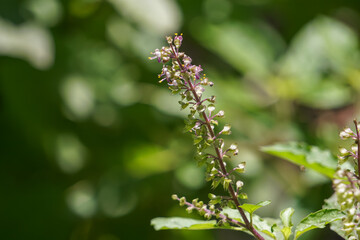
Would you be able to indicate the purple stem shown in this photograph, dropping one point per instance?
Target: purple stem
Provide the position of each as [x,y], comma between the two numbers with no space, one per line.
[248,225]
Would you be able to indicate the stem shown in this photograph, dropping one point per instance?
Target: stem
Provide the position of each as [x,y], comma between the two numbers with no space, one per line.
[232,193]
[358,145]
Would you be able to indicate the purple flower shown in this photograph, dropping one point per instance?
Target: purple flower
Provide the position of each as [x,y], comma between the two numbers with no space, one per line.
[157,54]
[166,74]
[178,41]
[162,55]
[187,60]
[197,70]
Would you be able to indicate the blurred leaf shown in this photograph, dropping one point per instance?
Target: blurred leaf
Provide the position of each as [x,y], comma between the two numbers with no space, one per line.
[323,44]
[27,41]
[318,59]
[217,10]
[81,199]
[70,153]
[159,16]
[318,219]
[145,160]
[46,12]
[242,45]
[327,94]
[190,176]
[83,8]
[304,155]
[78,96]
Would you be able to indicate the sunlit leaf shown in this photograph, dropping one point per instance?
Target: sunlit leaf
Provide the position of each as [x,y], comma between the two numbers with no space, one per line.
[250,208]
[321,43]
[242,45]
[305,155]
[319,56]
[162,223]
[318,219]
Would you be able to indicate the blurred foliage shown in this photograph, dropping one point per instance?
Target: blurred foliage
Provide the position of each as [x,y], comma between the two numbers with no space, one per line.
[92,147]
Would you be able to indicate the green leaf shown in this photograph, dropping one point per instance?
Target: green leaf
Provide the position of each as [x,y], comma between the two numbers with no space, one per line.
[161,223]
[336,226]
[197,139]
[265,226]
[308,156]
[250,208]
[226,183]
[318,219]
[183,105]
[216,183]
[189,124]
[285,216]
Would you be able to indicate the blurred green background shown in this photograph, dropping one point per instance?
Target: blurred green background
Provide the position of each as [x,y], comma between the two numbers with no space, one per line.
[92,146]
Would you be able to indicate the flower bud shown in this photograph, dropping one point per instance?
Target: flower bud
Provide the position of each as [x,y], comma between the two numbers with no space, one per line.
[239,184]
[233,149]
[187,60]
[354,148]
[200,204]
[341,188]
[189,210]
[343,151]
[199,90]
[342,159]
[211,107]
[211,196]
[169,39]
[344,135]
[243,196]
[212,207]
[207,216]
[182,201]
[352,211]
[221,113]
[240,168]
[226,130]
[178,40]
[336,181]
